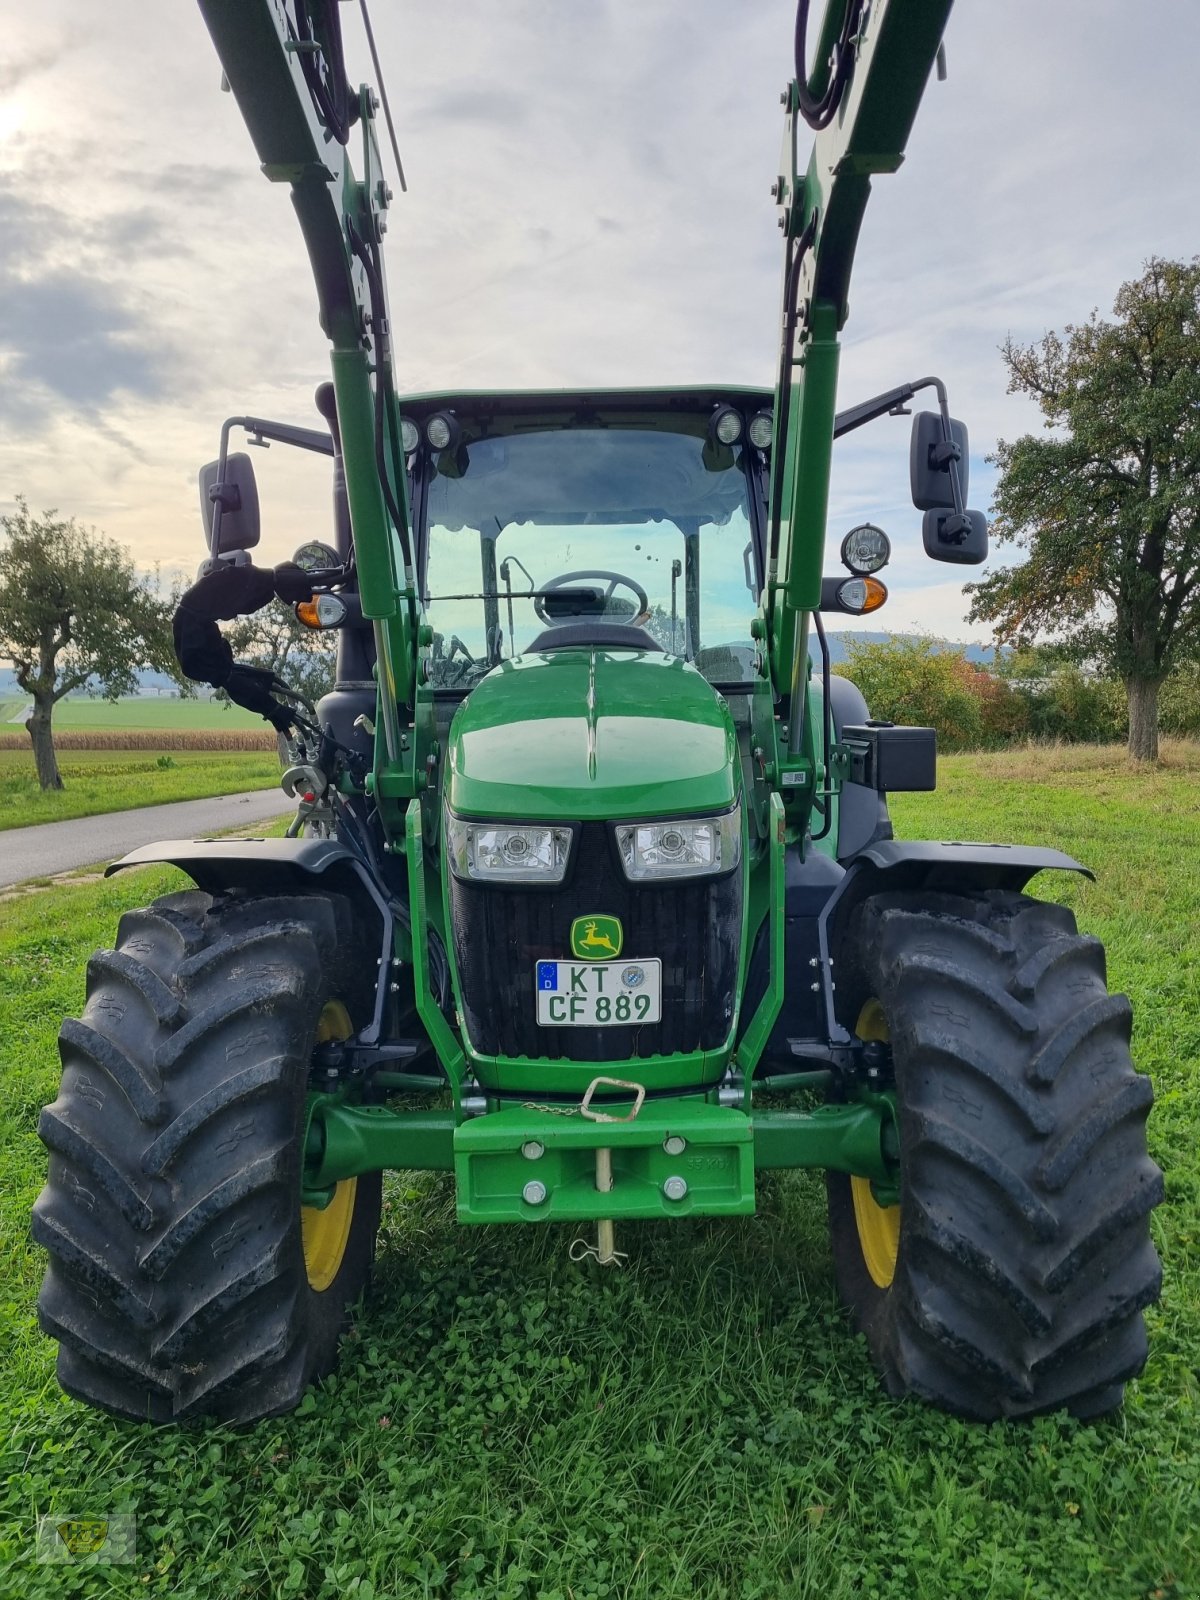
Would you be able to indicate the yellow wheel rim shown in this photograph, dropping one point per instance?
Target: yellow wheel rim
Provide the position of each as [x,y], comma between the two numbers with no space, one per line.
[324,1234]
[878,1226]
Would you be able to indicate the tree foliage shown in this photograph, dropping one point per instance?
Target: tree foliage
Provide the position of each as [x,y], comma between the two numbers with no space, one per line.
[75,612]
[1108,507]
[272,638]
[918,682]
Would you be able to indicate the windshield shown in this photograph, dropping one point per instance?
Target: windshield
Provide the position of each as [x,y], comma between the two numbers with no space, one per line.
[640,525]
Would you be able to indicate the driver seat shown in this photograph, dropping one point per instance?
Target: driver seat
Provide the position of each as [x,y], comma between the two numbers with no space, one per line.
[610,635]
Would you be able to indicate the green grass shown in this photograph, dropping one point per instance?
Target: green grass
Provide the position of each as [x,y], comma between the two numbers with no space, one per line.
[506,1424]
[116,780]
[136,711]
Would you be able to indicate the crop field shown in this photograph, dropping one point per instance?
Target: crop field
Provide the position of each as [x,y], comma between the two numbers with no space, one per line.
[135,711]
[507,1424]
[117,780]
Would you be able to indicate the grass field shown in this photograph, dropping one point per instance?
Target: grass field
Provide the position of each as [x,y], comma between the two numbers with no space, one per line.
[509,1425]
[117,780]
[137,711]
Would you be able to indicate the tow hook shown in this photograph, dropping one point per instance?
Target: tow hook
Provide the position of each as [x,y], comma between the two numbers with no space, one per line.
[604,1250]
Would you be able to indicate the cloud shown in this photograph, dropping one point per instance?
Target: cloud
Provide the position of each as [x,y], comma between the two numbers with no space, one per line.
[16,72]
[73,337]
[69,337]
[588,205]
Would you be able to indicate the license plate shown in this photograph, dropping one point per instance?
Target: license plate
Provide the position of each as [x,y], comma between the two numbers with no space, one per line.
[598,994]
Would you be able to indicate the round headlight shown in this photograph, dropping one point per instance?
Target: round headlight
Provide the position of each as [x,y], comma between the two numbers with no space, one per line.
[410,435]
[316,556]
[726,425]
[866,549]
[442,430]
[760,430]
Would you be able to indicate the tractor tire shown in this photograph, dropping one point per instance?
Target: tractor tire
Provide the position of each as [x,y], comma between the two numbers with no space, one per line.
[184,1280]
[1012,1276]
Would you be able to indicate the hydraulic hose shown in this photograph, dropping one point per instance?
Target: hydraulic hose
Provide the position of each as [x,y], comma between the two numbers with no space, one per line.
[819,110]
[206,656]
[323,62]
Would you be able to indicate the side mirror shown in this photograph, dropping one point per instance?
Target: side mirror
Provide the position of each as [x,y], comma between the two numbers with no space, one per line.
[949,537]
[237,493]
[929,458]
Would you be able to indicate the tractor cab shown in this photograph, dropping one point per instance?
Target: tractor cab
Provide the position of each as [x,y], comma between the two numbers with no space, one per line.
[620,521]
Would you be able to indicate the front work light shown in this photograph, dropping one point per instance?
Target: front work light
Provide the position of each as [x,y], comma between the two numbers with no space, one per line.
[442,431]
[681,848]
[410,435]
[866,549]
[760,430]
[725,425]
[507,852]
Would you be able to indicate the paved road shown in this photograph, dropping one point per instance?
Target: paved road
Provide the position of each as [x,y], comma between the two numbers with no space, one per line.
[50,847]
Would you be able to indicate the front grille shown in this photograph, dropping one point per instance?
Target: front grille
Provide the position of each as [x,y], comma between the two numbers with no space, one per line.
[500,933]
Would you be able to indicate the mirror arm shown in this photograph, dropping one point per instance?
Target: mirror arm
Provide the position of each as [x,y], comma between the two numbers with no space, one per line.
[260,429]
[858,416]
[949,446]
[218,499]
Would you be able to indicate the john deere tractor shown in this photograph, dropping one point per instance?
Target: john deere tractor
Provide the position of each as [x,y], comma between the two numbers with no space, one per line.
[592,857]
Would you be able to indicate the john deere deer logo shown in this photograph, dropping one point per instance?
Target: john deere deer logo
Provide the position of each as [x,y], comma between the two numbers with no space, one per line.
[594,938]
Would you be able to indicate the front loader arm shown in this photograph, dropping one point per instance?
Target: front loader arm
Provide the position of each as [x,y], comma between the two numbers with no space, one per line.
[282,60]
[873,61]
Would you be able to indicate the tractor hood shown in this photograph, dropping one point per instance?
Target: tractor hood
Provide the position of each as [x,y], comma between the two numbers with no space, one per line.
[592,735]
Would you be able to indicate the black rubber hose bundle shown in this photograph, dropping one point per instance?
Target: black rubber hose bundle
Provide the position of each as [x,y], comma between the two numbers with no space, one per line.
[819,110]
[204,653]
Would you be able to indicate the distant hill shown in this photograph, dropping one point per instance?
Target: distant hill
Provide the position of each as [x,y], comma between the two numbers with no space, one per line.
[158,683]
[148,683]
[984,654]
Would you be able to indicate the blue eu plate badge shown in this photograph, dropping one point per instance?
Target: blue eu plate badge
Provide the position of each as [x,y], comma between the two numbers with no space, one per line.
[547,976]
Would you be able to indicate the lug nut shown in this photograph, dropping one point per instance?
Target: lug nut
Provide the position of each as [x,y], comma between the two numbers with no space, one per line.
[675,1188]
[534,1193]
[532,1150]
[674,1145]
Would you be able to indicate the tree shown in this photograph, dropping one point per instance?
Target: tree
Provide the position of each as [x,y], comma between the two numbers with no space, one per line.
[74,611]
[916,681]
[272,638]
[1109,507]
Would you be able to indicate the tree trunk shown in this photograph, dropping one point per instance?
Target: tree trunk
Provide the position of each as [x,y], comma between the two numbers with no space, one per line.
[43,747]
[1143,718]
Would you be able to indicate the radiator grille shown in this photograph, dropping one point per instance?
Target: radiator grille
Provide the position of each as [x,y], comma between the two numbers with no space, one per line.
[500,932]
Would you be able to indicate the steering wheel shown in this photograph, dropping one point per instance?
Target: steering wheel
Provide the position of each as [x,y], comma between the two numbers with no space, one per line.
[614,580]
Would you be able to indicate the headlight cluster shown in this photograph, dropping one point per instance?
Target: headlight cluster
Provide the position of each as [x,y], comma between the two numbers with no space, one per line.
[504,852]
[680,849]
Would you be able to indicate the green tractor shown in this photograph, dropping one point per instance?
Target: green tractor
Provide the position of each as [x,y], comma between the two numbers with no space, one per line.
[592,859]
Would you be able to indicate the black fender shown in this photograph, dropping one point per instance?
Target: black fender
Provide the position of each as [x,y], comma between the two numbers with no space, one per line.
[950,866]
[260,866]
[277,866]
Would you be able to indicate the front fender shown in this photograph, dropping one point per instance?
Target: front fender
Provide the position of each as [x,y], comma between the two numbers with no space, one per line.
[282,866]
[258,865]
[948,866]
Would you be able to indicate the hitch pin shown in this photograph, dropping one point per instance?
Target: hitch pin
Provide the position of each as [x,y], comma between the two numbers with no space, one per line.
[605,1249]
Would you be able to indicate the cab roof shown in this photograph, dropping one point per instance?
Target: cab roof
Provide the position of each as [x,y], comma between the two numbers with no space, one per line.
[540,402]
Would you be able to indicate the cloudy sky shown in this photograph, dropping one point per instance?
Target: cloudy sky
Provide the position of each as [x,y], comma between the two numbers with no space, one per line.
[588,204]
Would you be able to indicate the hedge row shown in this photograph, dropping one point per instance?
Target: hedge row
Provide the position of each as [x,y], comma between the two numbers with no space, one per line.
[931,684]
